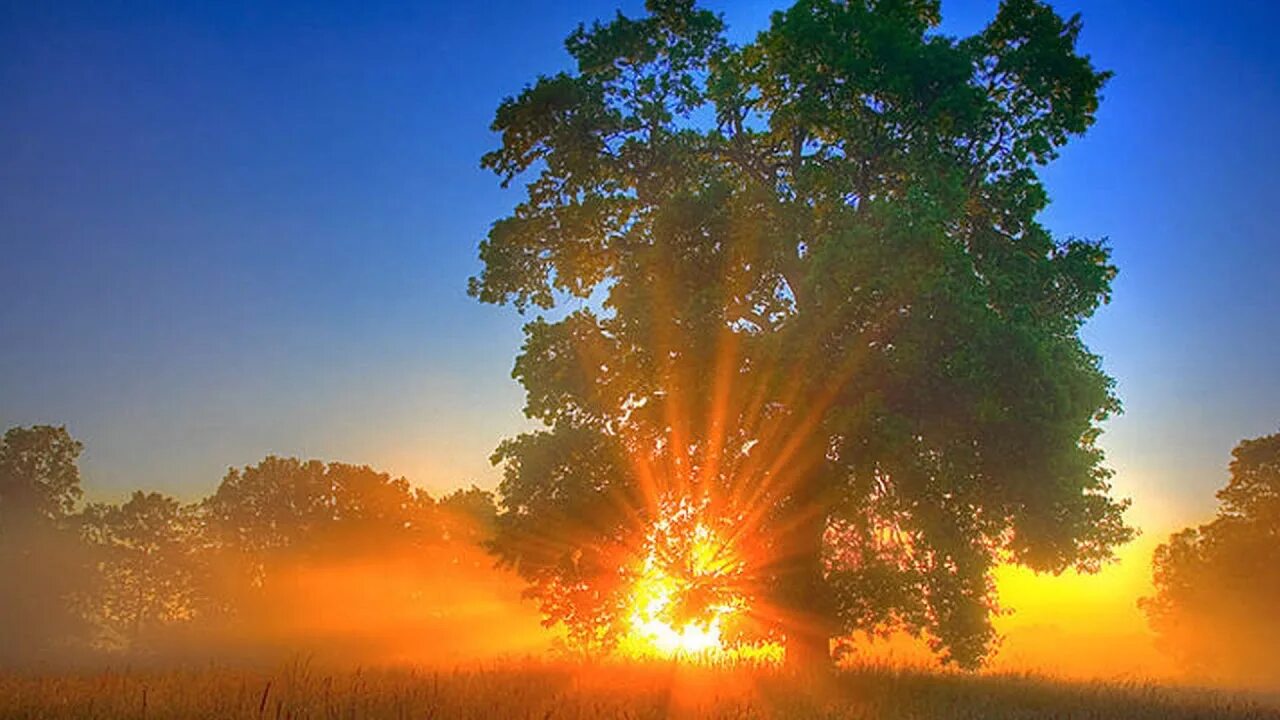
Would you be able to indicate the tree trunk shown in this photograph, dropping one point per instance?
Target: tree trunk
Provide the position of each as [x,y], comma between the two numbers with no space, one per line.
[806,600]
[808,646]
[808,624]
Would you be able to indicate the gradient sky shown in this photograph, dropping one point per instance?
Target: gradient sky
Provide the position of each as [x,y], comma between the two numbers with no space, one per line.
[236,228]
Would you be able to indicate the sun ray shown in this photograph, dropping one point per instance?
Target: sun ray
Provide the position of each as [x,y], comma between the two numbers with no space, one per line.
[690,597]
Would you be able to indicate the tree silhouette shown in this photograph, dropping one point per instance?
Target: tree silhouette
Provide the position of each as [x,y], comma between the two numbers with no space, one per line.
[1218,585]
[284,510]
[467,516]
[147,552]
[804,276]
[41,563]
[287,503]
[378,551]
[39,478]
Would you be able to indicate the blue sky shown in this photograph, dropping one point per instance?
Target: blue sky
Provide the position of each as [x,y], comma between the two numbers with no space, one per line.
[235,228]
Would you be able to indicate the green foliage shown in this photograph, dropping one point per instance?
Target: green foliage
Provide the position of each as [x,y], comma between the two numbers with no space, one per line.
[1218,585]
[812,276]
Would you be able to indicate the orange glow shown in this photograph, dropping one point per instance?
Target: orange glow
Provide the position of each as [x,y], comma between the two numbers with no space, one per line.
[1078,625]
[689,595]
[1073,626]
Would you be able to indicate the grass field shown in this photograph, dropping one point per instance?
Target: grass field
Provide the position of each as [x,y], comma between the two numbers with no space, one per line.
[544,691]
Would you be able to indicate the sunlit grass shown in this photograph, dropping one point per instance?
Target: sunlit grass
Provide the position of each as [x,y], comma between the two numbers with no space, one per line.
[620,690]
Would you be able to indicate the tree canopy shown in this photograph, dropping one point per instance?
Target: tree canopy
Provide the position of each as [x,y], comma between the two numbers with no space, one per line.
[804,277]
[39,477]
[295,507]
[1218,585]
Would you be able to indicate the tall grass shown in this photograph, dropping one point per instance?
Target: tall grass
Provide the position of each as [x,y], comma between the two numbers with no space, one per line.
[542,691]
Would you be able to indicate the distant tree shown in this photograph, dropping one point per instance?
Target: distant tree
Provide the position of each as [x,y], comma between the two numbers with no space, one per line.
[467,516]
[39,478]
[41,560]
[1217,601]
[288,506]
[147,552]
[295,544]
[806,275]
[284,512]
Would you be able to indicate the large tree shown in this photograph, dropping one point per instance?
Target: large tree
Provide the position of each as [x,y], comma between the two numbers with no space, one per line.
[1218,585]
[805,277]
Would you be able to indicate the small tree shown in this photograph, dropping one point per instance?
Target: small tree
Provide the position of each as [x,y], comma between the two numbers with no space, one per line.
[1218,585]
[805,276]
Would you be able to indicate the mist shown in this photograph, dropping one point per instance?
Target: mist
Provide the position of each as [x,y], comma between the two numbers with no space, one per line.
[346,566]
[337,563]
[439,606]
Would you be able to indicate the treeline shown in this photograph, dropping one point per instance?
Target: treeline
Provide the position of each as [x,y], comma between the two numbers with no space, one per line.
[284,554]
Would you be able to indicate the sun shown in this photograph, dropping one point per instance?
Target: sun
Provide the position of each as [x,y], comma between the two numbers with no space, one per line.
[689,593]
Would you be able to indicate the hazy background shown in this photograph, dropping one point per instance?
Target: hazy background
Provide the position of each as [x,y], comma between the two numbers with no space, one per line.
[231,229]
